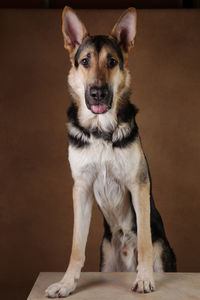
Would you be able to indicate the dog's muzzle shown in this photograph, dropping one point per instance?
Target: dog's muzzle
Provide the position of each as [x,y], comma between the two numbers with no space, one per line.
[98,98]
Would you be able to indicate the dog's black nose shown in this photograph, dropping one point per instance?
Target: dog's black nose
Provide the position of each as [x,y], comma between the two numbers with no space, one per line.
[99,92]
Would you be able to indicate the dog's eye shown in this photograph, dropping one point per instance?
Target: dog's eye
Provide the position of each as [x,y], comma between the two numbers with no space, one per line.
[85,62]
[112,63]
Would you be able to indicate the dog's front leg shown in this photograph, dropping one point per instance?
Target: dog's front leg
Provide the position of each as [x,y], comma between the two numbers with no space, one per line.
[82,201]
[144,282]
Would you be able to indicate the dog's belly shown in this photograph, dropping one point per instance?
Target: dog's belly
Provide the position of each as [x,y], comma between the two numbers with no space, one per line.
[113,199]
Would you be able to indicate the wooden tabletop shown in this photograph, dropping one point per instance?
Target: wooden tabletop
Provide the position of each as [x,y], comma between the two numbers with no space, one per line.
[117,286]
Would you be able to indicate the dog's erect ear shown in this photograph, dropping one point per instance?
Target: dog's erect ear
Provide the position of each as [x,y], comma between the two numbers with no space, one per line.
[125,29]
[73,30]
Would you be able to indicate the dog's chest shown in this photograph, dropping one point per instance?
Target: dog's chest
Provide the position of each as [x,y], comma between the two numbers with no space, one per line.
[107,170]
[113,198]
[101,158]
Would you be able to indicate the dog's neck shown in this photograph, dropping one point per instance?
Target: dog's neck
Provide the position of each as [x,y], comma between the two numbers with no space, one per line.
[120,129]
[104,122]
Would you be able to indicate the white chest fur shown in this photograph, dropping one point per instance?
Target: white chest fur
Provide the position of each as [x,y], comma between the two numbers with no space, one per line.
[105,171]
[113,198]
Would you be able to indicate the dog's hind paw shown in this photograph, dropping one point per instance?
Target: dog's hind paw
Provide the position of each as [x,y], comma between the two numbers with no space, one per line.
[143,286]
[60,290]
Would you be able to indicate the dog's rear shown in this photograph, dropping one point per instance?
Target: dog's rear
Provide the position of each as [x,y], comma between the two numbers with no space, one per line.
[107,160]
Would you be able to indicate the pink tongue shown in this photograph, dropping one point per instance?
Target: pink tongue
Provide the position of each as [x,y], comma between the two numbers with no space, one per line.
[98,109]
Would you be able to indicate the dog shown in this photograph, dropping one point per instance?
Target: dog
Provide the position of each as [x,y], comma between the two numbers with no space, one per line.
[107,160]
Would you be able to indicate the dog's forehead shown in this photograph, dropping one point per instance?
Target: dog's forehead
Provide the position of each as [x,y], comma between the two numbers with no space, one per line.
[96,43]
[99,41]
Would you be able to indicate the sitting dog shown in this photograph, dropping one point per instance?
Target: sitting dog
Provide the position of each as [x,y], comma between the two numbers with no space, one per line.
[107,160]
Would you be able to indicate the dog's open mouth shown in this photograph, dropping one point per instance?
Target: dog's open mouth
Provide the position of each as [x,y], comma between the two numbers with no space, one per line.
[98,99]
[99,108]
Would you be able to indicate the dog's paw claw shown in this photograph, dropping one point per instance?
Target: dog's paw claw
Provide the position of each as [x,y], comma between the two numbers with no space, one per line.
[59,290]
[143,286]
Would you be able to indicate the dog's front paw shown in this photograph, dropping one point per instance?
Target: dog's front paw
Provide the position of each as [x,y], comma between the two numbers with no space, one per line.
[60,289]
[143,284]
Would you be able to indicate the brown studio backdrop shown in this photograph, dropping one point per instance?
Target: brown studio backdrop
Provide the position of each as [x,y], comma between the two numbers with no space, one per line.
[36,185]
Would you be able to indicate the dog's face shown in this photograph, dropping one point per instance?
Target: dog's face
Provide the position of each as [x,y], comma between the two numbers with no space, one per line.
[98,77]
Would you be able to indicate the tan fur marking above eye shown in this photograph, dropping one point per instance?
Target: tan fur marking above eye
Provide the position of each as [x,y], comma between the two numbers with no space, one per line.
[103,57]
[85,52]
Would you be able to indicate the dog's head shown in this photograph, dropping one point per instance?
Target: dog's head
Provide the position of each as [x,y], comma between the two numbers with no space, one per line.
[98,78]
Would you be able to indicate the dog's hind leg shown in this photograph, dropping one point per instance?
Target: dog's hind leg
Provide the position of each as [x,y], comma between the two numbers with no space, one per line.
[164,257]
[82,200]
[108,259]
[157,257]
